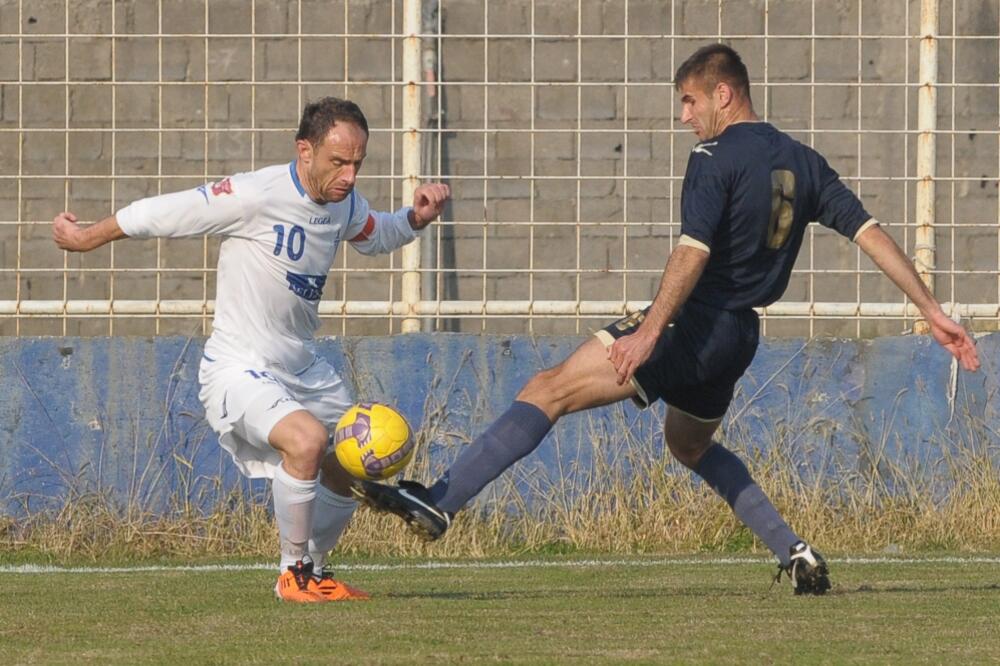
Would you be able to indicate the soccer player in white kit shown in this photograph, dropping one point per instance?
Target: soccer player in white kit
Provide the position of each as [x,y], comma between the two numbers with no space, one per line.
[270,398]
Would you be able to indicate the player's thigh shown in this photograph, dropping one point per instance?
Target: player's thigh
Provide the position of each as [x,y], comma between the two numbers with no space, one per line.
[697,359]
[584,380]
[246,402]
[322,391]
[299,435]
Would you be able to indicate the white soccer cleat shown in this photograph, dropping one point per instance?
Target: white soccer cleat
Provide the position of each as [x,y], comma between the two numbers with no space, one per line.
[807,570]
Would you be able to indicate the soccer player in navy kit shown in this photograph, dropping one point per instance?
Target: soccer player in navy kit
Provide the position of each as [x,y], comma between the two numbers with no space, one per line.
[749,192]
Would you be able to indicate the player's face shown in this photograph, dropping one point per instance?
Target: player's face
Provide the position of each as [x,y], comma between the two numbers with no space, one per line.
[332,166]
[699,109]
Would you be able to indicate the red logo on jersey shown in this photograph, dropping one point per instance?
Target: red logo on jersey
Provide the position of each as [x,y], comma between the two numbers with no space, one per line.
[224,186]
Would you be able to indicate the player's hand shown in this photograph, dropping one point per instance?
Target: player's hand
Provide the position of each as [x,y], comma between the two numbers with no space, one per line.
[428,202]
[67,234]
[629,352]
[955,339]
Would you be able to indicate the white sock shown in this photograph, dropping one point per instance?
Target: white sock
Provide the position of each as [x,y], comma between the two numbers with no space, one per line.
[294,502]
[333,512]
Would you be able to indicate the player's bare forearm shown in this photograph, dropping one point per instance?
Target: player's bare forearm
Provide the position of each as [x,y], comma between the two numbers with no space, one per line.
[69,235]
[891,260]
[683,270]
[888,256]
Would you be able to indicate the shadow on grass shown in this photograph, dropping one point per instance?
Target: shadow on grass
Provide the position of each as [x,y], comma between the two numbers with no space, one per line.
[915,589]
[547,594]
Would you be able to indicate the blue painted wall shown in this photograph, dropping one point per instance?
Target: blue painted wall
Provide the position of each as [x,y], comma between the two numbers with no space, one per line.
[121,417]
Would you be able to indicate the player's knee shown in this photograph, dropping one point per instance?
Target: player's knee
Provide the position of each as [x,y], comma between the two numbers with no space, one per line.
[687,450]
[307,445]
[688,437]
[547,391]
[334,477]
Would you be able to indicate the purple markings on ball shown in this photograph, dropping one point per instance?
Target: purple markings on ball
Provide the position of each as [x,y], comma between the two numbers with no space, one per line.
[374,466]
[342,434]
[361,430]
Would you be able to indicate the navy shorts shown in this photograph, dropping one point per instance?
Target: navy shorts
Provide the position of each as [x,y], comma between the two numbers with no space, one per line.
[697,360]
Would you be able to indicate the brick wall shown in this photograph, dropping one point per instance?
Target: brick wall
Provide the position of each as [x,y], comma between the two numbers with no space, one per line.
[156,118]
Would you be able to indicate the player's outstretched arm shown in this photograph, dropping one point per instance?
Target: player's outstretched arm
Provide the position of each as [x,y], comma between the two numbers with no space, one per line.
[372,232]
[428,202]
[69,235]
[888,256]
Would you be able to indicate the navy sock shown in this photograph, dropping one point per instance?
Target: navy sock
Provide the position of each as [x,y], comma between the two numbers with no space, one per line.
[728,476]
[514,435]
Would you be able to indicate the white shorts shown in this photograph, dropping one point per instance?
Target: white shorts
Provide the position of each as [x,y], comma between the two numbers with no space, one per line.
[244,402]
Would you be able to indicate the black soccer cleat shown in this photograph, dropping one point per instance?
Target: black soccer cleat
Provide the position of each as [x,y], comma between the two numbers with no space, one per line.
[410,501]
[807,570]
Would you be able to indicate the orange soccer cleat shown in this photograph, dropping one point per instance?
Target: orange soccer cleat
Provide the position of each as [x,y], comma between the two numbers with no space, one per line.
[298,585]
[335,590]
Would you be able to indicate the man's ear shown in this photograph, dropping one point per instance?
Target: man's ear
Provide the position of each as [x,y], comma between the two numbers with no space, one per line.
[723,94]
[305,150]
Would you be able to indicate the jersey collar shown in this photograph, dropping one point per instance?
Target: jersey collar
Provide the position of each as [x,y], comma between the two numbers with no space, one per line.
[295,177]
[302,191]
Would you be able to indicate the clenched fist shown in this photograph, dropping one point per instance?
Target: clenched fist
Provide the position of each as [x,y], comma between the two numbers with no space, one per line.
[428,202]
[70,236]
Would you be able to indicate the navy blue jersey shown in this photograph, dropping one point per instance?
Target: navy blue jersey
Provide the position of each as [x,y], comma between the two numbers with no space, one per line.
[748,195]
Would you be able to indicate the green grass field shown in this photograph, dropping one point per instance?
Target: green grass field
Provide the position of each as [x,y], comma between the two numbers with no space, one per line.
[548,610]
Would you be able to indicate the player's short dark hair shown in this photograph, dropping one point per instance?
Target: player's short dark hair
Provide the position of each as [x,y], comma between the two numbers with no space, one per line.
[713,64]
[319,116]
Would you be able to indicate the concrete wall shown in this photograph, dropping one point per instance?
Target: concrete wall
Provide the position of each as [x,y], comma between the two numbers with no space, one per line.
[253,85]
[121,415]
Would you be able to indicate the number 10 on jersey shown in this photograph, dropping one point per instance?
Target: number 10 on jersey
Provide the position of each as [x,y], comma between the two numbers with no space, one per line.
[296,241]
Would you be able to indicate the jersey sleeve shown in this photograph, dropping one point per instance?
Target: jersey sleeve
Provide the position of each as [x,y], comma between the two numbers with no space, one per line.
[372,232]
[214,209]
[704,198]
[838,208]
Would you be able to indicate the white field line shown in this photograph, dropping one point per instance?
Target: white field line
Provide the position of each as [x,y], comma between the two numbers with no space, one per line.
[513,564]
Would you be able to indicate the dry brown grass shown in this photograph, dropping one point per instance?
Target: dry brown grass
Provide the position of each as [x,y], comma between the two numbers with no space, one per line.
[654,507]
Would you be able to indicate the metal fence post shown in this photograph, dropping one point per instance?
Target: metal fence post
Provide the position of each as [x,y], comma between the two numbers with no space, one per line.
[925,244]
[411,154]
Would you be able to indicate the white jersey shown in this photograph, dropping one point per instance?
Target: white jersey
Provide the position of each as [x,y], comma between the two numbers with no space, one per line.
[273,262]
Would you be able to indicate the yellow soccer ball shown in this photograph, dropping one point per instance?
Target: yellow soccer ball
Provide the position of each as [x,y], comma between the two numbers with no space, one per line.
[373,441]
